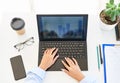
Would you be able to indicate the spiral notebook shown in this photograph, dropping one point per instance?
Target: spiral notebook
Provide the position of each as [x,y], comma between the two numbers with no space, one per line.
[111,58]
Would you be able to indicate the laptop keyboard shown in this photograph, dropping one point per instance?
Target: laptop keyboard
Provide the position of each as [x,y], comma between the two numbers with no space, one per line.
[76,49]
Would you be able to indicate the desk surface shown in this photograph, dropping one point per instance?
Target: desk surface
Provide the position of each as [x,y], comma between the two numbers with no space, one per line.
[29,54]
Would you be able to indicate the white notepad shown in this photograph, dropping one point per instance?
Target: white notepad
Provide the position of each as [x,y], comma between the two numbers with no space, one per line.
[112,57]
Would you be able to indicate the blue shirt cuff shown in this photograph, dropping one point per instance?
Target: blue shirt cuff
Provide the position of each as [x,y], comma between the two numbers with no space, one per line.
[38,71]
[88,79]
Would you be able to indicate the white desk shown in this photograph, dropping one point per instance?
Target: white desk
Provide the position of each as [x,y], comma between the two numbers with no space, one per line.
[8,38]
[30,53]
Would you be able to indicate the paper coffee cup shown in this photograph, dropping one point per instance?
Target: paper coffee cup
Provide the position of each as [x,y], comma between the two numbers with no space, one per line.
[18,24]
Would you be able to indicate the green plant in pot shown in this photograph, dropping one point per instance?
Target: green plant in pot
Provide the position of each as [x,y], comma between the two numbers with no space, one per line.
[110,16]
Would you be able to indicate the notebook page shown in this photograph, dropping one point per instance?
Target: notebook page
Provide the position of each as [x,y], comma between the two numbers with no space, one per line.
[112,55]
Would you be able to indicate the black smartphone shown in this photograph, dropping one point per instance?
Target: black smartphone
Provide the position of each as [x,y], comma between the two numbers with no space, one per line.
[18,67]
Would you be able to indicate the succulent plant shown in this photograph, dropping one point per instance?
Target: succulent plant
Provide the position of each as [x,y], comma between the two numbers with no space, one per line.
[112,10]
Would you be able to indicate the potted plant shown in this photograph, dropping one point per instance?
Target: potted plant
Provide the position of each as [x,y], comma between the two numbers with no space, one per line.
[110,16]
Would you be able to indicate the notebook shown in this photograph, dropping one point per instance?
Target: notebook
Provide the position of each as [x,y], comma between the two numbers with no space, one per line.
[68,33]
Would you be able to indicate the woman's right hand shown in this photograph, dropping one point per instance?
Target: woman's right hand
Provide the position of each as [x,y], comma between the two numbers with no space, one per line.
[73,69]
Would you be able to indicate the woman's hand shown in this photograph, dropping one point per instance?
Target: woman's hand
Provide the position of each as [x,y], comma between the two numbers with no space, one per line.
[49,58]
[73,69]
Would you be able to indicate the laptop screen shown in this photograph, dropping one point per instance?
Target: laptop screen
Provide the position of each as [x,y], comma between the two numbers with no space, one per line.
[62,27]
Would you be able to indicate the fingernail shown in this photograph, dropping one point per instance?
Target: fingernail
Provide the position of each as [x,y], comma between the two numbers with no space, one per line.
[62,69]
[57,55]
[56,48]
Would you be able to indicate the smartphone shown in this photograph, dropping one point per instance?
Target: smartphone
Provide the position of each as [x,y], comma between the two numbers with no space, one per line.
[18,67]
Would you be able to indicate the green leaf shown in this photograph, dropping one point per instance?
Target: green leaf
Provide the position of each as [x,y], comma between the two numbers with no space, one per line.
[111,1]
[108,11]
[119,5]
[118,11]
[114,7]
[108,5]
[113,16]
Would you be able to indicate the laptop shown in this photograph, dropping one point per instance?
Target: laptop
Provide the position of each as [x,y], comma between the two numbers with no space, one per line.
[68,33]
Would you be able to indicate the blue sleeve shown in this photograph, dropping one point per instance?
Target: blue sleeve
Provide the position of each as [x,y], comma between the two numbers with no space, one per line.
[36,75]
[89,79]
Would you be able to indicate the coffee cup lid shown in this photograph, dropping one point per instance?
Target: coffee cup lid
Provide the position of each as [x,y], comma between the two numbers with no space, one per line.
[17,23]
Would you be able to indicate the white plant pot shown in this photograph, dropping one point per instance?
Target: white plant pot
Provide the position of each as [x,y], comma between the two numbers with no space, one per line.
[106,27]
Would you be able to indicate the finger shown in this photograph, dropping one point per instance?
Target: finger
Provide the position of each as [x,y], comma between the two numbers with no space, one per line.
[54,53]
[66,66]
[69,61]
[51,50]
[75,61]
[46,51]
[55,59]
[64,70]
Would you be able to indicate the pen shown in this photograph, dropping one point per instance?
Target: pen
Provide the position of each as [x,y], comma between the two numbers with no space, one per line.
[98,59]
[100,54]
